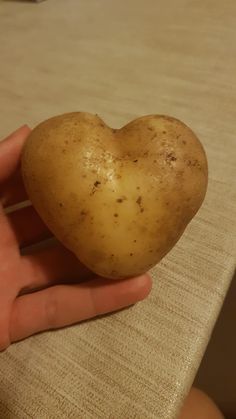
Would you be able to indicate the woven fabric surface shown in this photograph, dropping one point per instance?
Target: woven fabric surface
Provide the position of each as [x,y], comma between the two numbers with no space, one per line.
[122,60]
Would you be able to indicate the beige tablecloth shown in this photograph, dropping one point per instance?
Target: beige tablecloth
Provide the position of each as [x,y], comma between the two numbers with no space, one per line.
[123,59]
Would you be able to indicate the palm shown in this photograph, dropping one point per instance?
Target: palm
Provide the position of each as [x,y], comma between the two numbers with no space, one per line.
[45,288]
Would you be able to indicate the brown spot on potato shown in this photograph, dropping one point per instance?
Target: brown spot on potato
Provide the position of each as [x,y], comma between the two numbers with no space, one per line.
[163,132]
[95,186]
[135,161]
[116,215]
[83,213]
[131,254]
[121,199]
[138,188]
[60,204]
[183,142]
[139,202]
[135,241]
[194,163]
[171,157]
[97,183]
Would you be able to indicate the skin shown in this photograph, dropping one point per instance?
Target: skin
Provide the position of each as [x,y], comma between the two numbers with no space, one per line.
[97,188]
[65,291]
[199,406]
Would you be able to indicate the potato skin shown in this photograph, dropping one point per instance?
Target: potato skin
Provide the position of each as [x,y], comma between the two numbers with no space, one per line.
[118,199]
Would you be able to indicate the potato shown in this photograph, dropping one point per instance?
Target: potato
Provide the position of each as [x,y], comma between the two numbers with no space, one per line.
[118,199]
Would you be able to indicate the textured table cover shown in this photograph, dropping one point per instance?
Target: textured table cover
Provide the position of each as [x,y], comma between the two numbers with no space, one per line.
[123,59]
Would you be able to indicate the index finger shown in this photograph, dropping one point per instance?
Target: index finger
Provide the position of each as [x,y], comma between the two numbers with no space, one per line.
[63,305]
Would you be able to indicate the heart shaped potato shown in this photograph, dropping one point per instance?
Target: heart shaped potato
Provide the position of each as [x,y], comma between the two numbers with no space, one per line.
[119,199]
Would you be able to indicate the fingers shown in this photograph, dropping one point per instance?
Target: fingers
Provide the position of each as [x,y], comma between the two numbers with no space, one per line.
[28,227]
[10,151]
[49,266]
[63,305]
[13,191]
[6,303]
[22,228]
[7,236]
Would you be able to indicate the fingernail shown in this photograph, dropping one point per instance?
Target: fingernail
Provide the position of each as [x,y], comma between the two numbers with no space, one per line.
[135,289]
[143,285]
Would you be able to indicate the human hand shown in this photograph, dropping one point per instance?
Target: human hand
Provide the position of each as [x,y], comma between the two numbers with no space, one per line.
[47,288]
